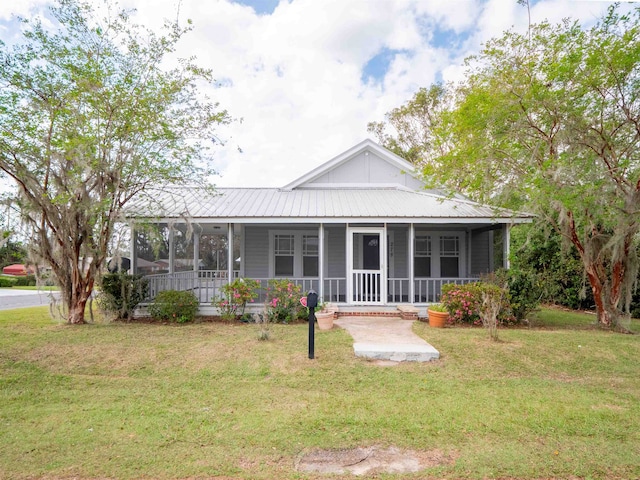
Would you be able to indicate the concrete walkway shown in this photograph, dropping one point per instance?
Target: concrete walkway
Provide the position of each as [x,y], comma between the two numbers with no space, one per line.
[387,338]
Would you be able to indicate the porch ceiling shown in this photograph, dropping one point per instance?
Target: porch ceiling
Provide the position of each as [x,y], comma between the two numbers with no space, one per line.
[262,205]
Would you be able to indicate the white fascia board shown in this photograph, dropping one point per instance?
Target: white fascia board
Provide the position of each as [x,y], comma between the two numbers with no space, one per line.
[357,186]
[343,220]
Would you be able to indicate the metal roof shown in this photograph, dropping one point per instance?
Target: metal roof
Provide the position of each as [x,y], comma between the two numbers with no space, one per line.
[329,205]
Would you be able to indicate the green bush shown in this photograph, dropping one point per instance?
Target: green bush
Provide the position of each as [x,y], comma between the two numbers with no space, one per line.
[635,302]
[27,281]
[7,281]
[524,291]
[556,270]
[121,293]
[174,306]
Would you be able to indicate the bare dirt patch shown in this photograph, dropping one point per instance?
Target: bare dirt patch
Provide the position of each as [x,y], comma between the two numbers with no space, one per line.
[366,460]
[385,363]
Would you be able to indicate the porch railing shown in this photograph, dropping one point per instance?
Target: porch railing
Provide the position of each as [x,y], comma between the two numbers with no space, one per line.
[428,290]
[398,290]
[206,285]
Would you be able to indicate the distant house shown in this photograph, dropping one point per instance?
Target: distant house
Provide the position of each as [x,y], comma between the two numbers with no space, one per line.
[360,230]
[18,270]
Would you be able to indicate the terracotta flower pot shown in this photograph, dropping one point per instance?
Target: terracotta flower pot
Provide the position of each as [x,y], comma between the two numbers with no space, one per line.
[325,320]
[437,319]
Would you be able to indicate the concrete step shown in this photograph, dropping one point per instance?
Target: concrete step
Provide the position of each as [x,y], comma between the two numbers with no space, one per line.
[404,311]
[397,352]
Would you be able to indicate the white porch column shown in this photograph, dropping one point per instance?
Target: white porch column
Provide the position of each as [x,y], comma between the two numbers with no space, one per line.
[133,265]
[172,251]
[321,261]
[412,244]
[506,247]
[230,259]
[349,259]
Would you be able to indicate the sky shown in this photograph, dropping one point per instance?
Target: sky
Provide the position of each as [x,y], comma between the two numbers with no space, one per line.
[303,78]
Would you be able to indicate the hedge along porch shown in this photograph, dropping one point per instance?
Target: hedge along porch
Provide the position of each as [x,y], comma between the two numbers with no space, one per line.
[360,230]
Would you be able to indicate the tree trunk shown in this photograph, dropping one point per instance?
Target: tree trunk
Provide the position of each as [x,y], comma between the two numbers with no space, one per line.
[606,285]
[76,312]
[598,294]
[607,305]
[80,293]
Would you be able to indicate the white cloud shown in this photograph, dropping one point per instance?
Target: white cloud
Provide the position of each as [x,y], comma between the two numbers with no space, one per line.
[295,76]
[22,8]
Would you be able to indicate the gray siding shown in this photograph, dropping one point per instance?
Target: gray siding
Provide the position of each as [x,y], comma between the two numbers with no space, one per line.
[368,169]
[335,252]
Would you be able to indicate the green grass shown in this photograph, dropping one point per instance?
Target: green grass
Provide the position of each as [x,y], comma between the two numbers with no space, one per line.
[205,400]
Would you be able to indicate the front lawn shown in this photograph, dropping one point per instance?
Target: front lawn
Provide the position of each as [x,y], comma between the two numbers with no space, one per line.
[127,401]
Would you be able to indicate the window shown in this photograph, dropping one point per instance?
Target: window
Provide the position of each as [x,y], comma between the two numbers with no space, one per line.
[449,256]
[422,257]
[309,256]
[284,255]
[295,254]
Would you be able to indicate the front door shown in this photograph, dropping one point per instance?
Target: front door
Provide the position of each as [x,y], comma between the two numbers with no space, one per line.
[367,282]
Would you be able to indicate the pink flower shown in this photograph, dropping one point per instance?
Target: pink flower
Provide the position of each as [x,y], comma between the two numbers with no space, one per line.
[303,301]
[274,302]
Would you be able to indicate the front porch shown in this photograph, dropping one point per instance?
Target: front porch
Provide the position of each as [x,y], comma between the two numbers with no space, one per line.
[349,265]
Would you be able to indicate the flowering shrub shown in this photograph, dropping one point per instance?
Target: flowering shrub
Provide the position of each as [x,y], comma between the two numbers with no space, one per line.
[235,296]
[463,302]
[283,301]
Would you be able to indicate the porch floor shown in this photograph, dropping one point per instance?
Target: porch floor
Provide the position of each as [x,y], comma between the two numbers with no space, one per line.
[387,338]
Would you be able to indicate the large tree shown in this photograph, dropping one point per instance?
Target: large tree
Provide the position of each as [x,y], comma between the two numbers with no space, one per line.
[550,122]
[95,111]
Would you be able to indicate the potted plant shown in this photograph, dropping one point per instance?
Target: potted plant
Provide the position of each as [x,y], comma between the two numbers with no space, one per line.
[324,313]
[438,315]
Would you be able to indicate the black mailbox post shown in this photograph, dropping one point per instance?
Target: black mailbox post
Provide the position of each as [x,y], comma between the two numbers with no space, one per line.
[312,303]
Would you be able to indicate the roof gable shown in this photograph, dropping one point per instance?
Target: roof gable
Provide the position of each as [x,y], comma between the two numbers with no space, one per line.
[367,165]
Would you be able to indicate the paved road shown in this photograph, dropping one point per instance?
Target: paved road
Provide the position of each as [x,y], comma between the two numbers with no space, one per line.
[13,298]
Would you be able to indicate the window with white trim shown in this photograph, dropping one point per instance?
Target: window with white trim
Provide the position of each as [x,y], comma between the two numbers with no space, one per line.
[294,254]
[284,254]
[422,256]
[450,256]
